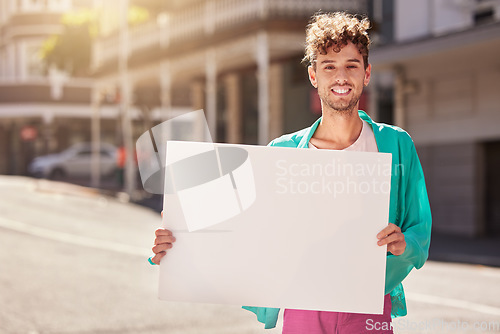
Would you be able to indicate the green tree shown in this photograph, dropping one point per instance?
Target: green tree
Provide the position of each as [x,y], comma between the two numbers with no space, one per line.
[71,50]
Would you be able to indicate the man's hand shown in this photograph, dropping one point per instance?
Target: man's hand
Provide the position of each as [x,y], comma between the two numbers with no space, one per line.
[393,238]
[163,242]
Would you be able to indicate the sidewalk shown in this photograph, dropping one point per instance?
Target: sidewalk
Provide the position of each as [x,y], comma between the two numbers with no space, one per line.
[449,248]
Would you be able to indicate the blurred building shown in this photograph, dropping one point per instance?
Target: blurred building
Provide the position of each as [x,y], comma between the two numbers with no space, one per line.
[435,73]
[239,60]
[39,111]
[442,68]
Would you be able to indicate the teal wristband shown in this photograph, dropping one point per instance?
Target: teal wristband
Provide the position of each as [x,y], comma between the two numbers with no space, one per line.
[151,261]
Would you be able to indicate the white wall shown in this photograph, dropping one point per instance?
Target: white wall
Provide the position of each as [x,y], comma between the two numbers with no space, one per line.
[416,19]
[458,96]
[455,108]
[451,15]
[411,19]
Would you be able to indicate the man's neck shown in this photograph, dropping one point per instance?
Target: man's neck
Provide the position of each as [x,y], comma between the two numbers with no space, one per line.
[337,130]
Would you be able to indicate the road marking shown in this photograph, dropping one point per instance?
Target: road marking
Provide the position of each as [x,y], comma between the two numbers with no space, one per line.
[458,303]
[72,238]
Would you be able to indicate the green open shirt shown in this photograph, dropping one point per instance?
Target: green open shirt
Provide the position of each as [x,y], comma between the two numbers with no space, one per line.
[409,209]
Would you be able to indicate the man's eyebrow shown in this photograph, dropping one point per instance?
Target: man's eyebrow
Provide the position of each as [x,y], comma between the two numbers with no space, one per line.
[352,60]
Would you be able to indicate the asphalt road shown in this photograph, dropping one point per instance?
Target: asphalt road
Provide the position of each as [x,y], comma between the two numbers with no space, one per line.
[74,261]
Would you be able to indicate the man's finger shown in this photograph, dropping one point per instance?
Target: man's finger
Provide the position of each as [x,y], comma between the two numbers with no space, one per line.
[156,259]
[161,248]
[164,239]
[388,230]
[162,231]
[394,237]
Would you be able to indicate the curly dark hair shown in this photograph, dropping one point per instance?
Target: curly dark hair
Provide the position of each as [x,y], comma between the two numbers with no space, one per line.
[336,29]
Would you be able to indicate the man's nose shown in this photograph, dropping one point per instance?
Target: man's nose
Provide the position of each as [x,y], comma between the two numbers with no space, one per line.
[341,76]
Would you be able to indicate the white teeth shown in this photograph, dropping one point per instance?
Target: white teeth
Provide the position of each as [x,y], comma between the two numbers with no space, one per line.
[341,91]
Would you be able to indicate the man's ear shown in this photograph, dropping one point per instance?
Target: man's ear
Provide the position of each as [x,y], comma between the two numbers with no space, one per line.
[312,76]
[368,74]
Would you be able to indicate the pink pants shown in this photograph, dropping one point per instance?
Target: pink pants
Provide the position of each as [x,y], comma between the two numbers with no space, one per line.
[322,322]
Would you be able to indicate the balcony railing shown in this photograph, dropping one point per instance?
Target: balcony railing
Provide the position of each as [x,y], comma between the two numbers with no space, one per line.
[10,8]
[39,6]
[210,17]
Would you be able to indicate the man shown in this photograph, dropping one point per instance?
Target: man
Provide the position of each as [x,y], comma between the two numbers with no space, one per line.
[337,52]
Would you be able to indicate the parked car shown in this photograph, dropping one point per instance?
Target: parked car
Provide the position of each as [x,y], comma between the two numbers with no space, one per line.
[76,161]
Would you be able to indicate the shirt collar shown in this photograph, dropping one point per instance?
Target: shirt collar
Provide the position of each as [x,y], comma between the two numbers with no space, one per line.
[304,142]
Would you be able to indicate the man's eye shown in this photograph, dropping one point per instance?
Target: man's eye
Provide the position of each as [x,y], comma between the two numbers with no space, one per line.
[329,67]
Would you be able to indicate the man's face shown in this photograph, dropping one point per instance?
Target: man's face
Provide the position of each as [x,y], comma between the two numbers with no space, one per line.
[340,78]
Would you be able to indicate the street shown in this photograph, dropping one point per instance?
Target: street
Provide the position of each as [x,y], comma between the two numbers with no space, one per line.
[451,298]
[75,261]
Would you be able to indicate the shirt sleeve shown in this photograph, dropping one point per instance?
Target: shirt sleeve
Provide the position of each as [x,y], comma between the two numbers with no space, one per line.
[266,315]
[414,220]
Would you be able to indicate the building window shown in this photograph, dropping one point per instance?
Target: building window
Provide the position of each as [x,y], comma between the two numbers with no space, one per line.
[484,12]
[492,185]
[381,14]
[33,5]
[35,66]
[44,5]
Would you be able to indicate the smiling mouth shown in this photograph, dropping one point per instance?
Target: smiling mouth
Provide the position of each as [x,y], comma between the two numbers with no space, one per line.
[341,91]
